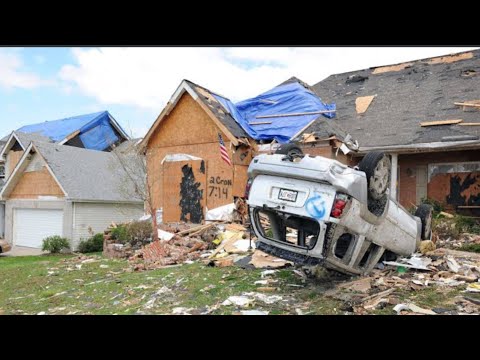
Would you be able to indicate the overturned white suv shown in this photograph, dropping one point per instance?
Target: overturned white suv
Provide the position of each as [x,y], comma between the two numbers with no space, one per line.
[318,211]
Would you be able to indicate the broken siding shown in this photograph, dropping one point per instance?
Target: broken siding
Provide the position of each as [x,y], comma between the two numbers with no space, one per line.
[93,218]
[189,130]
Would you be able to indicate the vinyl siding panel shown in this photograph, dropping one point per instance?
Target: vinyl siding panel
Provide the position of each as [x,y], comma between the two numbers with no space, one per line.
[98,217]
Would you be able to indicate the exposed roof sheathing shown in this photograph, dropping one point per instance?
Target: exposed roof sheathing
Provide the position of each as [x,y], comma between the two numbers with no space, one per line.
[423,91]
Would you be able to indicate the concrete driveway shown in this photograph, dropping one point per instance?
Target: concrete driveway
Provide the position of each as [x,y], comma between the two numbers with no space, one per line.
[23,251]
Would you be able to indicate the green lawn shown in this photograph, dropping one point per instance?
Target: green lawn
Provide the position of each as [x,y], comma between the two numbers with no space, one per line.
[63,285]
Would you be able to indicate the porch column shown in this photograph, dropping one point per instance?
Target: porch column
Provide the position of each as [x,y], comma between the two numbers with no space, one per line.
[393,182]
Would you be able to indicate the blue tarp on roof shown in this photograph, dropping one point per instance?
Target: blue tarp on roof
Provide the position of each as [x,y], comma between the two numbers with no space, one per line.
[95,130]
[283,99]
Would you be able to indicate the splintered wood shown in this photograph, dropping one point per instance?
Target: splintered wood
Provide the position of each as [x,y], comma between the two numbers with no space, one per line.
[362,103]
[441,122]
[450,58]
[384,69]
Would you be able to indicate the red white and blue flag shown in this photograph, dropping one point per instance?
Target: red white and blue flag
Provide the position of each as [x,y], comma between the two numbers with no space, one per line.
[223,151]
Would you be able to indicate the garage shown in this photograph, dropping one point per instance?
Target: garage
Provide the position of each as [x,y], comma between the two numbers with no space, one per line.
[31,226]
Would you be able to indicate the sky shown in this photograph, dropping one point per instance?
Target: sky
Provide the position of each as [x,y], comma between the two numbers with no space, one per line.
[38,84]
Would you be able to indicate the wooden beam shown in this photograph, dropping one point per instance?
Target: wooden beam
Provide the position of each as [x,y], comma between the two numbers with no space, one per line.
[469,124]
[70,137]
[440,122]
[295,114]
[467,104]
[260,123]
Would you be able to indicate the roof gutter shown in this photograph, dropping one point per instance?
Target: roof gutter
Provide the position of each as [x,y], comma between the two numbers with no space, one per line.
[422,147]
[139,202]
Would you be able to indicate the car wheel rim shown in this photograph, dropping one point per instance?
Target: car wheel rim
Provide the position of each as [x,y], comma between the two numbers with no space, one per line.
[380,177]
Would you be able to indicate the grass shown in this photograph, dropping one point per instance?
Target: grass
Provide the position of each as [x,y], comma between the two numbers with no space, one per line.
[471,248]
[58,284]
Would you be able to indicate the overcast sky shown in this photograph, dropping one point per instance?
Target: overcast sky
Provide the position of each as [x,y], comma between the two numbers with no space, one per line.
[134,84]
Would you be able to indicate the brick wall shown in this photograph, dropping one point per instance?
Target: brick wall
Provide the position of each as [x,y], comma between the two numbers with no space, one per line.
[408,164]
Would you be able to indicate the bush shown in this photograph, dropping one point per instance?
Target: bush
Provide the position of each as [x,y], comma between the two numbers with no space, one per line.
[136,233]
[467,225]
[55,244]
[437,206]
[94,244]
[139,232]
[120,234]
[471,248]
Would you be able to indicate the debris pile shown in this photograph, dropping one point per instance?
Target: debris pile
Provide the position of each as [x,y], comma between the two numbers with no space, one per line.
[443,270]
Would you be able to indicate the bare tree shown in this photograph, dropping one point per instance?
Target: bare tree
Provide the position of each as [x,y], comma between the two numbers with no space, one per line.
[134,163]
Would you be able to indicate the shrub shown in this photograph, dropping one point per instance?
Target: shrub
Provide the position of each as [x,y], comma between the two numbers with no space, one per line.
[94,244]
[471,248]
[139,232]
[55,244]
[120,234]
[467,225]
[437,206]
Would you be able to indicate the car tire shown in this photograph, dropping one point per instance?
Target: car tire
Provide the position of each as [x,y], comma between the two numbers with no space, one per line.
[289,149]
[425,213]
[376,166]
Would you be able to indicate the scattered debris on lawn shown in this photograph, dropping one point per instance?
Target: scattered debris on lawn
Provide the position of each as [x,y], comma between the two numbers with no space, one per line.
[412,307]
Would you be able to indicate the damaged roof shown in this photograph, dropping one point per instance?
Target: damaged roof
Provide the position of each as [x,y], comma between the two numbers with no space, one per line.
[209,98]
[89,175]
[396,99]
[97,131]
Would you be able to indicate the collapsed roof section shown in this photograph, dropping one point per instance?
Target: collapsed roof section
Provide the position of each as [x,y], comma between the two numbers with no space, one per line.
[97,131]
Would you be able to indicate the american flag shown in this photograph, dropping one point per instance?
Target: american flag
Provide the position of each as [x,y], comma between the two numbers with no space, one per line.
[223,151]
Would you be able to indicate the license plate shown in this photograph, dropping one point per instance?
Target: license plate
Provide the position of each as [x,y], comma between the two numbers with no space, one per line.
[288,195]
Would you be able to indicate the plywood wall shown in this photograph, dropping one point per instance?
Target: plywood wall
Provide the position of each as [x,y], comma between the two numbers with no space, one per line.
[189,130]
[13,159]
[36,183]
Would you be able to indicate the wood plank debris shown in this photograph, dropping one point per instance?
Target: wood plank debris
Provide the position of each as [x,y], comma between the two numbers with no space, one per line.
[467,104]
[260,123]
[295,114]
[441,122]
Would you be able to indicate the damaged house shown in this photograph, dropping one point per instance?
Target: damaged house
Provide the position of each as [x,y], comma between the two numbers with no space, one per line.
[425,113]
[199,148]
[63,179]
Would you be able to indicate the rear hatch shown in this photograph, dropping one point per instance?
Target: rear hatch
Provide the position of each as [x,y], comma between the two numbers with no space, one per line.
[290,211]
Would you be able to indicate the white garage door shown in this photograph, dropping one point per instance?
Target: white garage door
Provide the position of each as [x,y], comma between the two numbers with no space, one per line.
[31,226]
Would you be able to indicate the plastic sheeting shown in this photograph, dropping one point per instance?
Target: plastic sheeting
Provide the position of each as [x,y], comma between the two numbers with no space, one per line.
[95,130]
[283,99]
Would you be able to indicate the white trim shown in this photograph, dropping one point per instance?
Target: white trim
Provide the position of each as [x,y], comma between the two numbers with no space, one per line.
[14,173]
[7,144]
[421,146]
[50,171]
[20,164]
[117,126]
[394,177]
[139,202]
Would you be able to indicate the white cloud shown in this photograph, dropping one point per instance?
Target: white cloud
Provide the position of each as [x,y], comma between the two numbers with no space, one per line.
[147,77]
[12,74]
